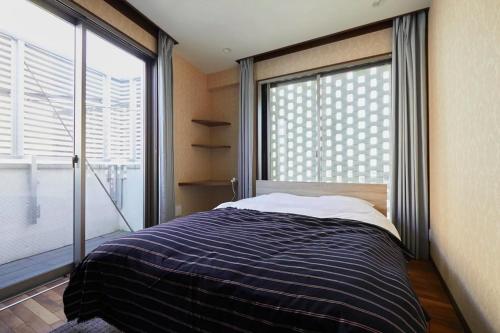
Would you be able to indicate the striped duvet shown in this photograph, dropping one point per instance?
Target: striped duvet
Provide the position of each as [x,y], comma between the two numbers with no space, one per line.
[231,270]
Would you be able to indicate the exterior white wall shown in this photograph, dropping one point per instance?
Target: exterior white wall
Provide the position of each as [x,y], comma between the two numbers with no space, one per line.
[20,237]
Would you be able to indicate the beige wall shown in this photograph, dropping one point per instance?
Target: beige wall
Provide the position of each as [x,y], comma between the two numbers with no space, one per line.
[464,97]
[356,48]
[197,95]
[224,97]
[367,45]
[191,100]
[113,17]
[225,78]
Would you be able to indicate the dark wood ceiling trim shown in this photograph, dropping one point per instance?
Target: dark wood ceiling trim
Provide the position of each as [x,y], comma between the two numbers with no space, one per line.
[338,36]
[136,16]
[335,37]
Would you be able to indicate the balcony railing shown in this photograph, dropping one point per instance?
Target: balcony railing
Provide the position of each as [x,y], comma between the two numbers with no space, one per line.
[36,204]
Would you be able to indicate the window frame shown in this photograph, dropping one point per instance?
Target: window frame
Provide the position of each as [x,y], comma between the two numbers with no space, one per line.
[85,21]
[73,13]
[263,88]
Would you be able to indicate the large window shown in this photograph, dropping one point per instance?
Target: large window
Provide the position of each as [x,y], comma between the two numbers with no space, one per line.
[115,139]
[36,139]
[74,100]
[328,127]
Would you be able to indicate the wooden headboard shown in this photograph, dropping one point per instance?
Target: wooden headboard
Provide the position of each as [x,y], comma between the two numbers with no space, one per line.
[374,193]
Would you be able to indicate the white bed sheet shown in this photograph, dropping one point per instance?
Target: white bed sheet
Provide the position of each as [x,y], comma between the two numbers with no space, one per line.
[335,206]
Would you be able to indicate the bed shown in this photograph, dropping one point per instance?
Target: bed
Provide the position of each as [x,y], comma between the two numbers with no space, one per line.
[280,262]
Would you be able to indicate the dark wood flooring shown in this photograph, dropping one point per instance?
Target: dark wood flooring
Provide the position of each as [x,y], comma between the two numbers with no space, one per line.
[40,314]
[44,312]
[433,297]
[19,270]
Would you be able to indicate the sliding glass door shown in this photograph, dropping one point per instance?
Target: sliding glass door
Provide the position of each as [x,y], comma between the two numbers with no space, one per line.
[115,87]
[36,141]
[72,141]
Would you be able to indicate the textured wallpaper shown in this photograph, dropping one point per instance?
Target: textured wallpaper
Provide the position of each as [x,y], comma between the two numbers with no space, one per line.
[191,100]
[113,17]
[464,116]
[214,96]
[368,45]
[230,76]
[224,102]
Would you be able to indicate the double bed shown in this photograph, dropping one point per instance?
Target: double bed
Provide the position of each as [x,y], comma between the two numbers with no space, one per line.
[326,262]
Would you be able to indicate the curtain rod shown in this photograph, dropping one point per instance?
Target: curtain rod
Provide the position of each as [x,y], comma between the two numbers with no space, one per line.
[335,37]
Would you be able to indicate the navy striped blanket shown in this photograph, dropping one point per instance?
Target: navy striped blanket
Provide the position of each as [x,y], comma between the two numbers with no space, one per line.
[231,270]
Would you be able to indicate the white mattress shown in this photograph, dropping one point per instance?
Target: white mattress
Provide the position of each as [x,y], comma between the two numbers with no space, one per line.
[335,206]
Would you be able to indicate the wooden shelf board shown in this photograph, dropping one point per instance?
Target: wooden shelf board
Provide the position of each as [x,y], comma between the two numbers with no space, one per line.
[206,183]
[199,145]
[210,123]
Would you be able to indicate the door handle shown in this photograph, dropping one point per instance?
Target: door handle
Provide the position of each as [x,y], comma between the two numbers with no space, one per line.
[74,160]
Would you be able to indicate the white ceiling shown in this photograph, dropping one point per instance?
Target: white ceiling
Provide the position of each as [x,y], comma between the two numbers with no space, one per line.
[248,27]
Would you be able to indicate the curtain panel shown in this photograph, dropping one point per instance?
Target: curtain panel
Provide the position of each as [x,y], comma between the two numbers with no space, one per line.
[246,129]
[409,177]
[165,129]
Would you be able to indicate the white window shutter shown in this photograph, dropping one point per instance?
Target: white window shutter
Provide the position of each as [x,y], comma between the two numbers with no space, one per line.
[6,102]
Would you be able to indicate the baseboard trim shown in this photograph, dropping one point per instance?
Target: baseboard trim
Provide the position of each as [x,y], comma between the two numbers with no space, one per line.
[452,300]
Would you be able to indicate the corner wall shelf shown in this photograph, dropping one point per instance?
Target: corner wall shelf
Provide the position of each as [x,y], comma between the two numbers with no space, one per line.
[199,145]
[206,183]
[211,123]
[209,182]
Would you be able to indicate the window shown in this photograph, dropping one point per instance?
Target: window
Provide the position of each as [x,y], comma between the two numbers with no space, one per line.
[115,131]
[44,124]
[36,138]
[36,87]
[329,127]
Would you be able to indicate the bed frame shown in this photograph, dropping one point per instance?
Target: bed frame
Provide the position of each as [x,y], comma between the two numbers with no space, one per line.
[374,193]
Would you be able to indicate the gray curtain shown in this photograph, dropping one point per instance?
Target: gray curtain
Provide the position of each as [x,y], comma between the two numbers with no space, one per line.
[245,144]
[165,129]
[409,191]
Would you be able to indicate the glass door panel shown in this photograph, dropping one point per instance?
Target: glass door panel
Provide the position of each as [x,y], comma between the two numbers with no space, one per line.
[36,141]
[114,141]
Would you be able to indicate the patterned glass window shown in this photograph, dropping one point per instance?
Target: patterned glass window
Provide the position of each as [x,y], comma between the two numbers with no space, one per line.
[294,131]
[333,127]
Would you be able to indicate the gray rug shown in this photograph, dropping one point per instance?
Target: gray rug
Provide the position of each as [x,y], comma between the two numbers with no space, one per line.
[90,326]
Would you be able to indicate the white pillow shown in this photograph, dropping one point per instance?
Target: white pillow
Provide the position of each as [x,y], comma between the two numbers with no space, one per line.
[350,199]
[330,206]
[323,206]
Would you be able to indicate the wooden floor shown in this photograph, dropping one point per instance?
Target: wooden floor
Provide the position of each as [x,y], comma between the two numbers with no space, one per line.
[19,270]
[433,297]
[44,312]
[39,314]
